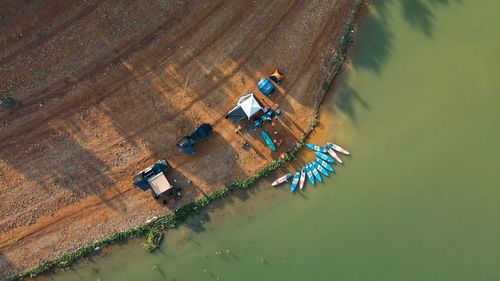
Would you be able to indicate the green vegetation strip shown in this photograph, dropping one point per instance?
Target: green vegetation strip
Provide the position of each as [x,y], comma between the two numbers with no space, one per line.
[153,230]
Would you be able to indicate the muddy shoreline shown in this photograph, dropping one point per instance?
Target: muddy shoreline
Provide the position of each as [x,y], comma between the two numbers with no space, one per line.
[17,237]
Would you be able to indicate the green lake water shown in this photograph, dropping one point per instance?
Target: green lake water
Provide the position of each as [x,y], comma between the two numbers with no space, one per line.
[418,106]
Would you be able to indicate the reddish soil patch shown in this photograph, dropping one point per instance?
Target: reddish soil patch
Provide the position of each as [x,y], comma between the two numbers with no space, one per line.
[106,88]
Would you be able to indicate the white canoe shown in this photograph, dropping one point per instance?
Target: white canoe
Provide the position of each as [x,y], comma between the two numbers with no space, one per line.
[302,178]
[338,148]
[334,155]
[281,180]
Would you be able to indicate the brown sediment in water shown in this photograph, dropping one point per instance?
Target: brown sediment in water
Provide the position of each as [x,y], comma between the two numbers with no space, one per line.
[106,89]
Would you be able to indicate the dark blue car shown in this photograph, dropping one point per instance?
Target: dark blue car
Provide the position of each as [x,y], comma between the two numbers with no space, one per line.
[187,142]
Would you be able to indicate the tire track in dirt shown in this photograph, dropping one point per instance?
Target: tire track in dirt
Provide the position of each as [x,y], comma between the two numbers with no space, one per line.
[57,88]
[50,221]
[46,37]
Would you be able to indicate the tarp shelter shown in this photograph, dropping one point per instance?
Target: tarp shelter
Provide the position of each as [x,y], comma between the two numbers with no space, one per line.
[265,86]
[153,177]
[159,183]
[246,107]
[276,76]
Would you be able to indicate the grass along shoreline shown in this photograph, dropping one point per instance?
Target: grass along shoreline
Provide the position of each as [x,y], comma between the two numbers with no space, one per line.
[154,229]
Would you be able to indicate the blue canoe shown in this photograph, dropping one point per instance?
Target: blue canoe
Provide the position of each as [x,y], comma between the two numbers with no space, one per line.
[309,174]
[295,182]
[320,168]
[325,157]
[268,140]
[317,148]
[315,173]
[324,164]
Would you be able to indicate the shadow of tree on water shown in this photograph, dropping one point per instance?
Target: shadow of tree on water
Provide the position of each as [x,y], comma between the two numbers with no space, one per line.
[375,39]
[419,14]
[346,99]
[374,44]
[197,222]
[445,2]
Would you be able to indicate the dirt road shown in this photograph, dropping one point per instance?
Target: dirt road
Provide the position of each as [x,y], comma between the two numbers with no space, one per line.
[106,88]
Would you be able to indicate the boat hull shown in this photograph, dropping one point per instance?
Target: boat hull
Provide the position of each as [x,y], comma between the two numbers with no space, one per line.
[316,147]
[268,140]
[325,157]
[310,176]
[281,180]
[316,173]
[295,182]
[338,148]
[302,180]
[320,169]
[325,165]
[334,155]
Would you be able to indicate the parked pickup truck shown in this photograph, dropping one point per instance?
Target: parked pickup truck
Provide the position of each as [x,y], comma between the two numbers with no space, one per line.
[153,178]
[187,142]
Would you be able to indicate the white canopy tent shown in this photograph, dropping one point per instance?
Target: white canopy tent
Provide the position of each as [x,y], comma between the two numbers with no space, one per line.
[249,104]
[246,107]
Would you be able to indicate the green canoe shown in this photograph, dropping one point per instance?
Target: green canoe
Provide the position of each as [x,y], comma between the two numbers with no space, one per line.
[268,140]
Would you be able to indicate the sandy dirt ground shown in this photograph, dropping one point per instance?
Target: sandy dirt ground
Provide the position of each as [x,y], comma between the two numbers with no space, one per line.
[106,88]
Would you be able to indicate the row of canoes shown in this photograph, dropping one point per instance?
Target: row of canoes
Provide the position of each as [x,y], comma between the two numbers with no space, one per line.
[314,169]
